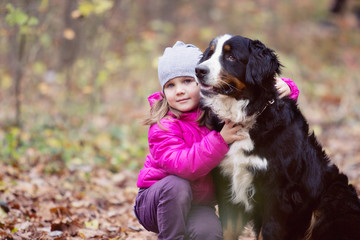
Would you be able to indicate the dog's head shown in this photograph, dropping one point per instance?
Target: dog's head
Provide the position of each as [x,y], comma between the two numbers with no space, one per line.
[239,68]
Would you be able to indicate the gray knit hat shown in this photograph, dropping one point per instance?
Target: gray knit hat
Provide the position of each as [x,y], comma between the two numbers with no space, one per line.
[177,61]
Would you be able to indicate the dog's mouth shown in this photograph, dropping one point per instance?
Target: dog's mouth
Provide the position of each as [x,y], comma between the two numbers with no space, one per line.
[226,89]
[207,89]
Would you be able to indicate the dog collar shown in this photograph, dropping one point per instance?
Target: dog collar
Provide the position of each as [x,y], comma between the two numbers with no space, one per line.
[270,102]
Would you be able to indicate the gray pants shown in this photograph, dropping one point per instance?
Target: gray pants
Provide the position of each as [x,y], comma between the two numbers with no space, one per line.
[165,208]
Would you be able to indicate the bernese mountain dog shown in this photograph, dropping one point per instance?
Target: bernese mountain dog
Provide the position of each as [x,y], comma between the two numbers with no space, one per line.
[279,178]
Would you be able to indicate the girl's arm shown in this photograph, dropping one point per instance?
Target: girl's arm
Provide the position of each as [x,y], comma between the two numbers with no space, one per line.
[286,87]
[171,153]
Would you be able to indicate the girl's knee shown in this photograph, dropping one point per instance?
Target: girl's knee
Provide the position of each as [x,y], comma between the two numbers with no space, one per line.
[178,188]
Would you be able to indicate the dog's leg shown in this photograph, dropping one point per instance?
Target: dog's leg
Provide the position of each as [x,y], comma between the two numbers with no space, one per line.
[260,235]
[338,214]
[231,216]
[242,180]
[272,230]
[232,225]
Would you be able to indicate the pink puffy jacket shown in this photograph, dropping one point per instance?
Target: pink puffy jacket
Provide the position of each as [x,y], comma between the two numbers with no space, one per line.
[184,149]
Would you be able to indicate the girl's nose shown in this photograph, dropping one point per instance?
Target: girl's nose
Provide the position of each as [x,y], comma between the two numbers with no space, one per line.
[180,90]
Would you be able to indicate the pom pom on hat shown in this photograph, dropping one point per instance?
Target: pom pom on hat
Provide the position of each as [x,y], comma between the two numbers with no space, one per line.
[178,61]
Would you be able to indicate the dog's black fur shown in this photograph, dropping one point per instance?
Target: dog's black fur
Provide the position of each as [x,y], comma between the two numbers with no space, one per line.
[301,194]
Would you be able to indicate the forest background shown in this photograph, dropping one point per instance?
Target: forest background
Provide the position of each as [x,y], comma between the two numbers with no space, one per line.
[74,81]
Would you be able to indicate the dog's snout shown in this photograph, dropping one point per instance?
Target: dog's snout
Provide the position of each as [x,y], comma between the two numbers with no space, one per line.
[201,71]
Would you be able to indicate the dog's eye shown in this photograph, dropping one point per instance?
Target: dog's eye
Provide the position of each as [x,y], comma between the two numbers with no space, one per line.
[230,58]
[209,54]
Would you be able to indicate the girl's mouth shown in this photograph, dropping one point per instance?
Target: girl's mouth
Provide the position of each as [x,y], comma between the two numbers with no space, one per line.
[182,100]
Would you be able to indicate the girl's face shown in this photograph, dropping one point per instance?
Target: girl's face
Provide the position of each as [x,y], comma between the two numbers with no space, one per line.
[182,93]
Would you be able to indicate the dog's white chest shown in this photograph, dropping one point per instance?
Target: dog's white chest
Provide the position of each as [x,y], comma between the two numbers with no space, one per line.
[235,166]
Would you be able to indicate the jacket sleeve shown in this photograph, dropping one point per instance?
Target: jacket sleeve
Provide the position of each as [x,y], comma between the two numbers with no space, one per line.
[293,88]
[171,153]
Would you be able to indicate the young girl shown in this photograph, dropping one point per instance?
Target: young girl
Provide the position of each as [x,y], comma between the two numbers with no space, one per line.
[176,198]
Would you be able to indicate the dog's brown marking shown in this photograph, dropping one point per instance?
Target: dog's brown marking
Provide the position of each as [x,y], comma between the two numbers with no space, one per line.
[233,229]
[230,85]
[212,48]
[227,47]
[260,235]
[314,218]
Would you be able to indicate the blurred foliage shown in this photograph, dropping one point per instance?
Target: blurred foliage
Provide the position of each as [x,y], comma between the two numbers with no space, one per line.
[89,66]
[16,16]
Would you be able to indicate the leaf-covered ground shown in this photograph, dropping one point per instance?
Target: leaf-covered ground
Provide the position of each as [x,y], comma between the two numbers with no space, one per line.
[85,202]
[79,202]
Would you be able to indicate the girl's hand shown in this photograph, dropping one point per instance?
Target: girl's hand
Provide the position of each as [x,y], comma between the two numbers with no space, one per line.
[282,88]
[230,132]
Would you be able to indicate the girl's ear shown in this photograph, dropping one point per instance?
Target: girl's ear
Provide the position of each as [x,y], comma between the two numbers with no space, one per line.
[263,64]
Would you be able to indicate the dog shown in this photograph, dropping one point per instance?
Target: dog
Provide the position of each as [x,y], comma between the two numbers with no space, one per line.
[279,178]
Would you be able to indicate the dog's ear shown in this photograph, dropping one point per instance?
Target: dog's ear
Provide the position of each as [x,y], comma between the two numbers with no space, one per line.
[263,64]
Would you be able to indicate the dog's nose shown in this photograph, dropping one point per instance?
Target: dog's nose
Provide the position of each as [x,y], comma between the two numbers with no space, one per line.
[201,71]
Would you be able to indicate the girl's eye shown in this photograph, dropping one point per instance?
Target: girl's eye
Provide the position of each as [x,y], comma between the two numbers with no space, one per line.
[230,58]
[170,85]
[187,81]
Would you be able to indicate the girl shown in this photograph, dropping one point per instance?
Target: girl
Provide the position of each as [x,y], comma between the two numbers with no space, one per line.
[176,198]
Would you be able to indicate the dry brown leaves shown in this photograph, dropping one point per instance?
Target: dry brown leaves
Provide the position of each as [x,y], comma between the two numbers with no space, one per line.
[82,202]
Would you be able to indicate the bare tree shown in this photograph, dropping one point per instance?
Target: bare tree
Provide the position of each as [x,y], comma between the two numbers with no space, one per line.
[18,43]
[70,41]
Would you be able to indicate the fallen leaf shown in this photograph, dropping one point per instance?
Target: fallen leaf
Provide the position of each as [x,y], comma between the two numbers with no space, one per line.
[94,224]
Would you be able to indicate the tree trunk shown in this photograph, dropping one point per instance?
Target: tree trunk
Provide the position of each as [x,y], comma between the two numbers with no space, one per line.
[18,79]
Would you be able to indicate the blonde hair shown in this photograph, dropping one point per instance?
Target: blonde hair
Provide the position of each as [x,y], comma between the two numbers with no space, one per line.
[159,110]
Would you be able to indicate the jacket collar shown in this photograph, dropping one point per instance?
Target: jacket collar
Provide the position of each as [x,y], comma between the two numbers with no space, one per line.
[188,116]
